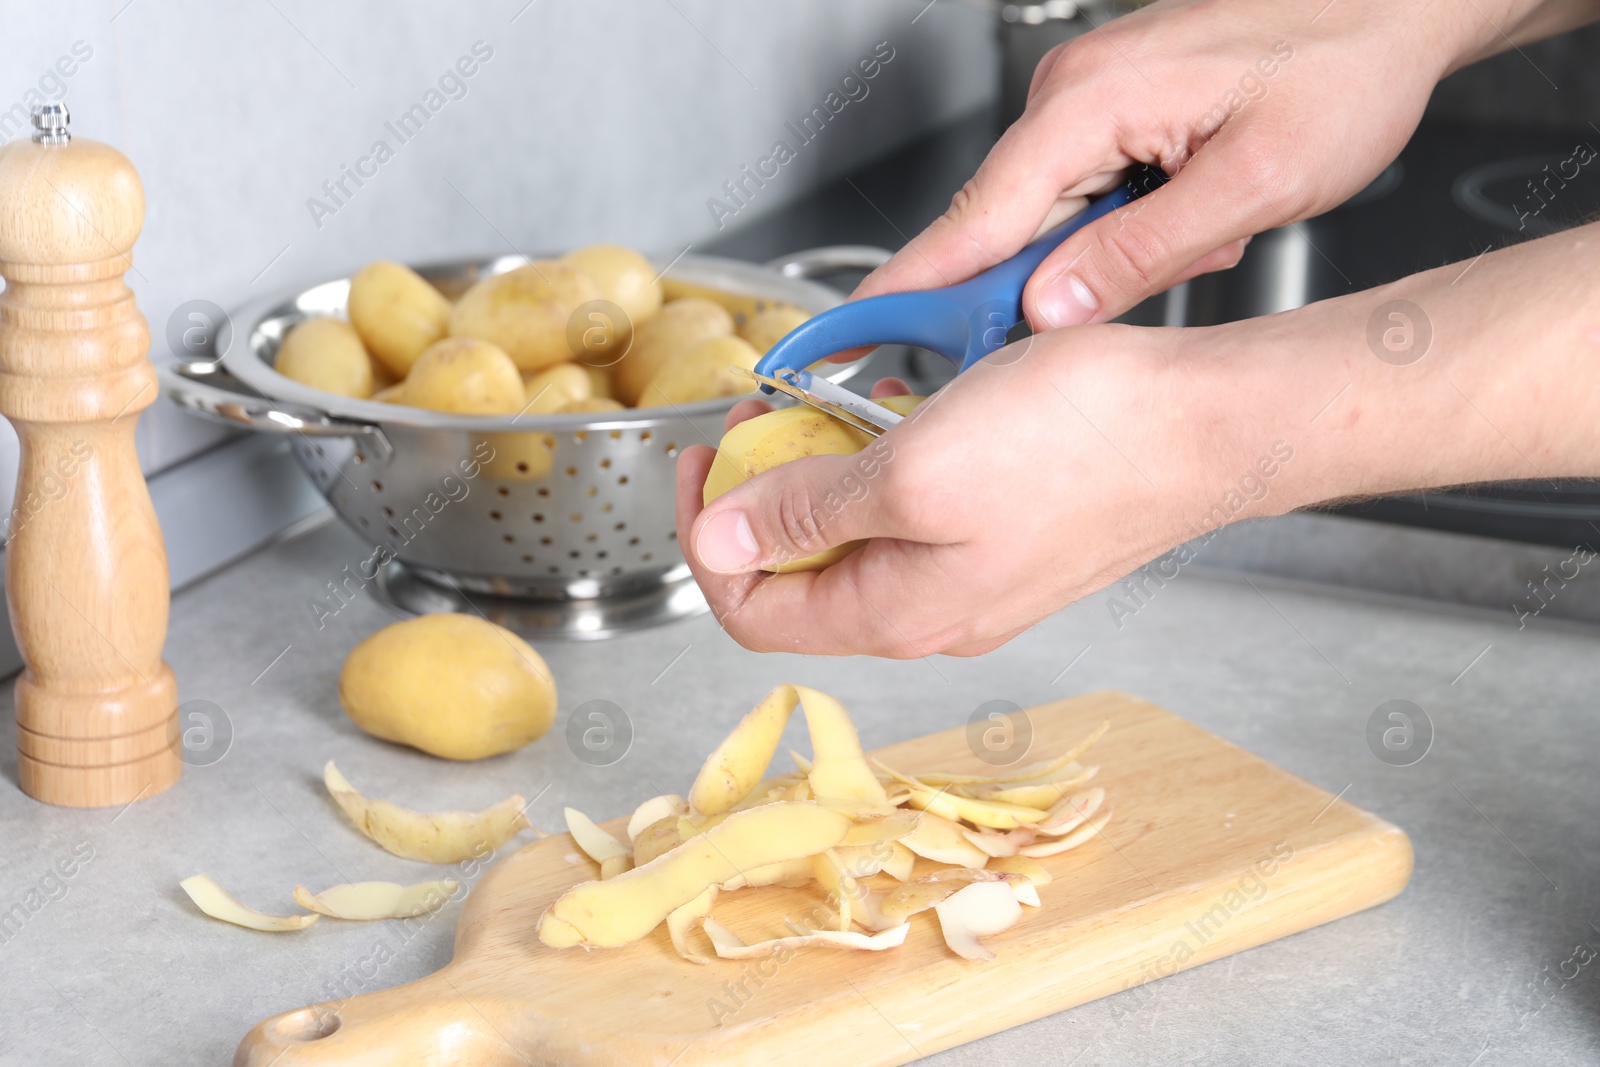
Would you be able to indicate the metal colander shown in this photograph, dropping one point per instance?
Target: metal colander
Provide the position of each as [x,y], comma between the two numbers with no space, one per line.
[558,525]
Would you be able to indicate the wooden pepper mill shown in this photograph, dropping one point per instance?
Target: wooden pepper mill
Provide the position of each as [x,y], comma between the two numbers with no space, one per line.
[86,569]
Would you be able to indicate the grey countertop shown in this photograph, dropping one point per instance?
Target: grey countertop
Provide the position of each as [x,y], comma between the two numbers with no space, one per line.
[1483,960]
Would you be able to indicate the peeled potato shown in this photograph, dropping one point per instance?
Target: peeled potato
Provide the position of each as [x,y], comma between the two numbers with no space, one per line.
[703,373]
[678,327]
[766,328]
[625,278]
[326,354]
[467,377]
[555,388]
[526,311]
[456,686]
[397,313]
[778,437]
[392,394]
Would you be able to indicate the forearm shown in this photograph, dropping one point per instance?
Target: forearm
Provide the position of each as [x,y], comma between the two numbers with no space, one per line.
[1505,388]
[1494,26]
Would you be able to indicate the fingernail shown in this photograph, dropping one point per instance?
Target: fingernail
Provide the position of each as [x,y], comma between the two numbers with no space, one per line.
[1066,301]
[726,543]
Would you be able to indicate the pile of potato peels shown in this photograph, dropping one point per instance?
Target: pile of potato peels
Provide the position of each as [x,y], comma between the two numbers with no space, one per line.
[837,821]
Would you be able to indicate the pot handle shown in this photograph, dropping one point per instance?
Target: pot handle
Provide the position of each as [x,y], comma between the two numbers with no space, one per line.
[207,390]
[830,258]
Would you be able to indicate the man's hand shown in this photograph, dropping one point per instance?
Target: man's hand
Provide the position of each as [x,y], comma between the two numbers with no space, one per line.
[1063,462]
[1265,112]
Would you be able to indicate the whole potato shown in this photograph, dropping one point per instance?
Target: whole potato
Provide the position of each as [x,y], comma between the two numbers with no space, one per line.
[391,394]
[526,311]
[594,405]
[702,373]
[520,455]
[679,326]
[397,313]
[465,376]
[326,354]
[625,278]
[599,381]
[766,328]
[455,686]
[552,389]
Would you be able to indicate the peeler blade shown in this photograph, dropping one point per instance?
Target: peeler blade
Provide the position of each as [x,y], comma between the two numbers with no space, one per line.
[820,393]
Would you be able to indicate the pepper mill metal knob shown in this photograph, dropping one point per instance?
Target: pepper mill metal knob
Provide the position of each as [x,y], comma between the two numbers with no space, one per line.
[86,568]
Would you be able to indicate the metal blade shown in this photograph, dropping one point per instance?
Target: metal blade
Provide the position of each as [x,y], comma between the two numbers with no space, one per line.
[836,400]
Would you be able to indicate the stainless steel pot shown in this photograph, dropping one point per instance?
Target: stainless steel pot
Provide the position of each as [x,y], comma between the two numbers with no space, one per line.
[559,525]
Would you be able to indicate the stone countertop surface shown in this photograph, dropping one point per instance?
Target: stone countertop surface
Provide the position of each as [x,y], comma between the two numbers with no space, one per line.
[1483,960]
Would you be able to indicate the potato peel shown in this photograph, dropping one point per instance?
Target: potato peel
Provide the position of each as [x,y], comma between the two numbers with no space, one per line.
[367,901]
[977,911]
[685,918]
[595,842]
[653,811]
[1022,774]
[729,947]
[1058,845]
[433,837]
[218,903]
[623,909]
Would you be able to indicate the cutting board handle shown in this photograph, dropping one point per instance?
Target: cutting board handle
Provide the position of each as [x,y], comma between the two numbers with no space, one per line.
[427,1023]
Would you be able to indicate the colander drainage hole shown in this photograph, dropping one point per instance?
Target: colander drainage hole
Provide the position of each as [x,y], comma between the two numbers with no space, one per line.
[502,490]
[576,516]
[361,457]
[544,541]
[544,490]
[508,539]
[646,557]
[601,554]
[606,507]
[572,472]
[633,540]
[538,517]
[592,538]
[388,512]
[591,491]
[622,480]
[672,449]
[574,554]
[495,515]
[605,464]
[377,487]
[527,558]
[621,526]
[645,436]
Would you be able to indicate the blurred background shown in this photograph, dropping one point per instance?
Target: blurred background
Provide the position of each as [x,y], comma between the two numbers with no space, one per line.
[253,122]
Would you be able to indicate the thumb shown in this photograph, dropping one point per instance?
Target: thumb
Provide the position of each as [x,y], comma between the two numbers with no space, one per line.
[797,510]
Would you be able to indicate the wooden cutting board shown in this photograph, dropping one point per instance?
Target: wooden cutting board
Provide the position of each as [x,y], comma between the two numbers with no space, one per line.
[1211,850]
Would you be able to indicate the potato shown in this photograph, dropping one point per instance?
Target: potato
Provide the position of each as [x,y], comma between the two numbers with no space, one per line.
[677,328]
[392,394]
[625,278]
[599,381]
[456,686]
[766,328]
[551,390]
[787,434]
[397,313]
[594,405]
[466,377]
[702,373]
[526,311]
[520,455]
[326,354]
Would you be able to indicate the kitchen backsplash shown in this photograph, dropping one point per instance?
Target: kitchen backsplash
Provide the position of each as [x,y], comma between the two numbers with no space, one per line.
[290,140]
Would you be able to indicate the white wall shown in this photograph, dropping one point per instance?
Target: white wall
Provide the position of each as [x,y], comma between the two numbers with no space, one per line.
[593,120]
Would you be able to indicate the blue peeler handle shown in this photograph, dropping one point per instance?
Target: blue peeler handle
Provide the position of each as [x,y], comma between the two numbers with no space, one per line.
[963,322]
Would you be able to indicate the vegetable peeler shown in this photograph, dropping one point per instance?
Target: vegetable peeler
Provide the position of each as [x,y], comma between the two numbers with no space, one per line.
[962,322]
